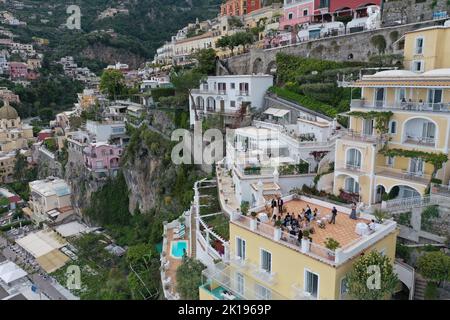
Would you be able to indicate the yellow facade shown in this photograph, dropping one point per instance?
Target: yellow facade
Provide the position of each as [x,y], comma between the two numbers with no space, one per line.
[289,267]
[436,48]
[420,121]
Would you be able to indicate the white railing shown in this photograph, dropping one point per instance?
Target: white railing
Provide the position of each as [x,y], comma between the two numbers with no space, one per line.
[419,177]
[406,106]
[362,137]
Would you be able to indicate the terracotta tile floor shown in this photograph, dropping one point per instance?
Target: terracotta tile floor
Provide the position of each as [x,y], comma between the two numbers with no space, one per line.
[343,231]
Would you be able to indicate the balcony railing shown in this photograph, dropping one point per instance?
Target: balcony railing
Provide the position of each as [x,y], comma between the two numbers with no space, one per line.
[223,277]
[266,230]
[406,106]
[348,166]
[418,177]
[362,137]
[243,93]
[209,91]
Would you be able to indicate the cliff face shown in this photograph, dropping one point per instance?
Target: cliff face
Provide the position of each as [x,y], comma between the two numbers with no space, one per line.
[111,55]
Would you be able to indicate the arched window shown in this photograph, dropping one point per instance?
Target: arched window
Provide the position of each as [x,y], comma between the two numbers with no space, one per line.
[351,185]
[353,159]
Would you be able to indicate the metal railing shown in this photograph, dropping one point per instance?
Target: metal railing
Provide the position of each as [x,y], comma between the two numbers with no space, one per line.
[362,137]
[406,106]
[417,176]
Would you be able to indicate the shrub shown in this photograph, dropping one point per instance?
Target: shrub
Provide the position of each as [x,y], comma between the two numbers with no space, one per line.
[245,205]
[431,291]
[332,244]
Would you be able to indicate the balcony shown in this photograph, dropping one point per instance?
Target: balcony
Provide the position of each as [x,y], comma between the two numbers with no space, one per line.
[362,137]
[243,93]
[222,283]
[350,168]
[415,177]
[401,106]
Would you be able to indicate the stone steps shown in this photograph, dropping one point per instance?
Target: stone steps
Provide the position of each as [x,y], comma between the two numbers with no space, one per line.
[419,288]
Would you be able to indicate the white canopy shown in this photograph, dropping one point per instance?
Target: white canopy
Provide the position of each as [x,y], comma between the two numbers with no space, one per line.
[10,272]
[276,112]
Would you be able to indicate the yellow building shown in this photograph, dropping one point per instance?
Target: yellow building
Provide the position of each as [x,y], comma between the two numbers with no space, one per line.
[398,140]
[266,263]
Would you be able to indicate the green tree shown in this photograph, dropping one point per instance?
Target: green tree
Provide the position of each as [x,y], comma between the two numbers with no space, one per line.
[206,61]
[434,266]
[112,82]
[20,167]
[362,279]
[186,80]
[189,278]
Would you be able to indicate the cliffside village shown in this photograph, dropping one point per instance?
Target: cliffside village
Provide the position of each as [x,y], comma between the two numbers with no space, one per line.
[277,147]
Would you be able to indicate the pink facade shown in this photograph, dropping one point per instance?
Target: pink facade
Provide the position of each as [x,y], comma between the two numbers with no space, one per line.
[296,12]
[351,4]
[18,70]
[102,156]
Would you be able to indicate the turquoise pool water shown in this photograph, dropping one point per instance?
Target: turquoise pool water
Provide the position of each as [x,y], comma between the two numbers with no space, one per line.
[178,248]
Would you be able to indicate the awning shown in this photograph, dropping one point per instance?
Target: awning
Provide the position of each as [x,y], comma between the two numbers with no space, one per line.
[276,112]
[10,272]
[52,261]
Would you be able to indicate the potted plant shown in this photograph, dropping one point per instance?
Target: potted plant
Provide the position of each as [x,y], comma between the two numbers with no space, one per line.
[380,215]
[278,224]
[306,242]
[331,244]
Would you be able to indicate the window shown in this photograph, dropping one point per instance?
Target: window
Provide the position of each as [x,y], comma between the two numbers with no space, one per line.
[417,66]
[351,185]
[419,45]
[416,166]
[262,292]
[434,96]
[401,94]
[266,261]
[233,104]
[393,127]
[354,158]
[390,161]
[240,248]
[290,16]
[311,283]
[344,288]
[305,12]
[240,283]
[233,85]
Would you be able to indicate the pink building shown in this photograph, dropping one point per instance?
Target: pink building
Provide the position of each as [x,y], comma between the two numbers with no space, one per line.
[102,156]
[18,70]
[296,12]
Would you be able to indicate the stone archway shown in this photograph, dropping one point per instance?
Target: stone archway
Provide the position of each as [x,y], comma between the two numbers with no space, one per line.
[271,68]
[258,66]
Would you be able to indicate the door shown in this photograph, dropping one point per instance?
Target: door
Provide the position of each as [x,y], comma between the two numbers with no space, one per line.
[240,285]
[428,131]
[368,125]
[435,98]
[416,166]
[379,97]
[354,158]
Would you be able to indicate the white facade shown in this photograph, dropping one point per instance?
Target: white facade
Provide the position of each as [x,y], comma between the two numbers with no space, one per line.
[272,158]
[104,131]
[227,94]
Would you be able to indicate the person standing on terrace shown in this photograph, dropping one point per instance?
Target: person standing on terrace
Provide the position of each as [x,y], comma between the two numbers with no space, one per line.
[333,216]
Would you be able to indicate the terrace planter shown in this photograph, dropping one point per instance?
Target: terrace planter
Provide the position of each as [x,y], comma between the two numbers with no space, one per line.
[306,245]
[331,256]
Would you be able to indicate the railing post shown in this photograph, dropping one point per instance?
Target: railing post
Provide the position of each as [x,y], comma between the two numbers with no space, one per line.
[277,234]
[253,224]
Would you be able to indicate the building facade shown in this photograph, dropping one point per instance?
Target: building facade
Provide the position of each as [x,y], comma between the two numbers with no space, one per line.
[239,7]
[102,157]
[399,125]
[229,95]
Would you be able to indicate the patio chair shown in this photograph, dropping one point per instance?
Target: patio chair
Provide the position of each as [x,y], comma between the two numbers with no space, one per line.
[181,228]
[179,235]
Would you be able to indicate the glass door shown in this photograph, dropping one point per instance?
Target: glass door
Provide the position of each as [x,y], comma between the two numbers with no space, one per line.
[379,97]
[311,283]
[435,99]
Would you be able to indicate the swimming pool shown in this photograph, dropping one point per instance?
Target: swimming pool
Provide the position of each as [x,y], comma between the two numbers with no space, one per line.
[178,248]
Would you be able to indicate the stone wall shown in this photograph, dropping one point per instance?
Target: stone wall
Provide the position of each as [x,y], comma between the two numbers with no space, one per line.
[355,46]
[48,165]
[410,11]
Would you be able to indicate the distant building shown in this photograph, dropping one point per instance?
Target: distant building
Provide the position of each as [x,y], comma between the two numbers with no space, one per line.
[50,199]
[6,94]
[107,130]
[102,157]
[229,95]
[239,7]
[18,70]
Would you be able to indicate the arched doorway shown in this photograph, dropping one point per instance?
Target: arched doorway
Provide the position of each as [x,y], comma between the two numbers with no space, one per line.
[257,66]
[403,192]
[379,194]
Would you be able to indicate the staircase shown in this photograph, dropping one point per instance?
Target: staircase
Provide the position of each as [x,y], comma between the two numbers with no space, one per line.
[420,285]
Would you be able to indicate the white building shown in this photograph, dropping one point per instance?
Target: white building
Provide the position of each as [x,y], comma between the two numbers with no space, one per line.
[230,95]
[50,199]
[277,154]
[106,130]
